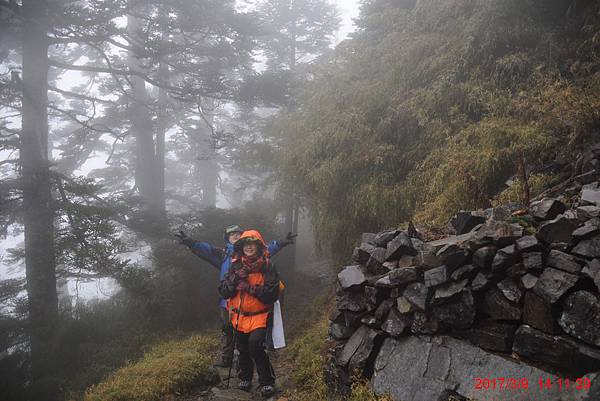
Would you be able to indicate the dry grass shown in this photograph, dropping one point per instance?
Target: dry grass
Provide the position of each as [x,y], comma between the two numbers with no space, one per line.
[170,367]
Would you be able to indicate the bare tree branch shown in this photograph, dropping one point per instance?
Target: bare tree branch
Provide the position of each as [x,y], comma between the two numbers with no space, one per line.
[105,70]
[96,127]
[79,96]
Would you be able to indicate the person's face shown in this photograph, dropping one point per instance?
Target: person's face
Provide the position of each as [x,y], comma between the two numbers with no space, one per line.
[234,237]
[250,249]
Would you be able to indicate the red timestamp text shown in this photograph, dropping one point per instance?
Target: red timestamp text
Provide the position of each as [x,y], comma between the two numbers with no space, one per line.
[501,383]
[559,383]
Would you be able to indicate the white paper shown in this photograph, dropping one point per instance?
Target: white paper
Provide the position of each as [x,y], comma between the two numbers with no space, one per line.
[278,335]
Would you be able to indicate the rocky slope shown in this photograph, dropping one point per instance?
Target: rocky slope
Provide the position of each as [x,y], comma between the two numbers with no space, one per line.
[507,308]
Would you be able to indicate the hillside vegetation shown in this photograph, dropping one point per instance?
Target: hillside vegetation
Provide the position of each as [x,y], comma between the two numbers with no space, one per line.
[168,368]
[434,104]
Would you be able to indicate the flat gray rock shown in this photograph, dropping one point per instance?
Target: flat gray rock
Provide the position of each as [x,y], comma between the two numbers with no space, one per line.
[417,294]
[554,283]
[352,345]
[591,195]
[493,336]
[382,238]
[396,323]
[466,271]
[404,306]
[533,261]
[480,282]
[547,209]
[528,243]
[498,307]
[581,317]
[458,313]
[363,252]
[588,230]
[484,256]
[403,275]
[510,289]
[423,368]
[448,290]
[400,245]
[558,230]
[592,270]
[504,258]
[528,281]
[587,212]
[537,313]
[436,276]
[465,221]
[563,353]
[563,261]
[452,256]
[501,233]
[368,237]
[588,248]
[351,276]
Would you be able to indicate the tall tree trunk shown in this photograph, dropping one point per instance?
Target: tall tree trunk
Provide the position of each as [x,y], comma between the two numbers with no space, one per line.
[147,177]
[207,168]
[293,208]
[37,202]
[161,129]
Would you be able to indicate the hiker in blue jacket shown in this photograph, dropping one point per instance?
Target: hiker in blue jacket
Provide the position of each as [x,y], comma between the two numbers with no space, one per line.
[221,259]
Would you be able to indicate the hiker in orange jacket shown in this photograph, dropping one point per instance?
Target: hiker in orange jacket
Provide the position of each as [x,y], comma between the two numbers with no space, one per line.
[251,286]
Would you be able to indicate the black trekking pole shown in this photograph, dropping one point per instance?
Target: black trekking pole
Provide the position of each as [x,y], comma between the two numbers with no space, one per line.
[237,323]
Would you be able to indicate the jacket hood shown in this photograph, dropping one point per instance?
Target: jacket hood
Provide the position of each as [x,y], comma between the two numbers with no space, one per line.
[250,236]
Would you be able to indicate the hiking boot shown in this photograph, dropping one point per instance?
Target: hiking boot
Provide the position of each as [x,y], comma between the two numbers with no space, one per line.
[267,390]
[245,385]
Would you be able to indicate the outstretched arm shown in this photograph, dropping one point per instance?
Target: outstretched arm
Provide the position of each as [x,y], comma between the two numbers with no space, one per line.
[209,253]
[204,250]
[277,245]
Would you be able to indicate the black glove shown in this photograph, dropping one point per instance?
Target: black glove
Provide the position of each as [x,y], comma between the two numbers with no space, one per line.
[289,239]
[184,239]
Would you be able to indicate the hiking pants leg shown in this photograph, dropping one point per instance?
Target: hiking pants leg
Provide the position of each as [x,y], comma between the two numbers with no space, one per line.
[245,360]
[256,343]
[226,337]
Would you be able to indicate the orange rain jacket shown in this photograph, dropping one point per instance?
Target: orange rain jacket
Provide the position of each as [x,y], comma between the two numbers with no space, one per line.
[250,307]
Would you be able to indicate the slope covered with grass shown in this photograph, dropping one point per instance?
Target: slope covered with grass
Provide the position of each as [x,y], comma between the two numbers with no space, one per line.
[168,368]
[434,104]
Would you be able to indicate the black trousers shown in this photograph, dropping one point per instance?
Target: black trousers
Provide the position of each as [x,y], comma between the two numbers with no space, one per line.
[251,347]
[226,337]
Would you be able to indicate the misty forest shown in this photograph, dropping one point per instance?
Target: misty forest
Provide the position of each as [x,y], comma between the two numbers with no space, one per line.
[425,175]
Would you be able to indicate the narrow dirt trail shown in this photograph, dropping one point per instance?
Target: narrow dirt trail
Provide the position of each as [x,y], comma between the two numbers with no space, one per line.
[282,383]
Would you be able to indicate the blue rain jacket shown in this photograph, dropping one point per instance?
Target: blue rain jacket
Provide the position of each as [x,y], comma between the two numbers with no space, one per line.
[221,258]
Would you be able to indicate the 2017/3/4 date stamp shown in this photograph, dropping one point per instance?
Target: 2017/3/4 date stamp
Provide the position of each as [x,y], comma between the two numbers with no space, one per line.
[524,384]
